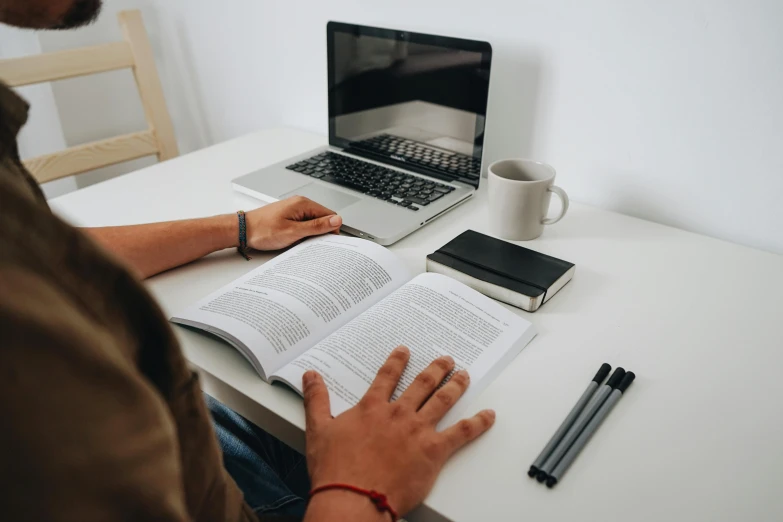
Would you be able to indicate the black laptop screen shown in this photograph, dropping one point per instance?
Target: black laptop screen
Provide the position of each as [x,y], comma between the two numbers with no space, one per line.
[411,100]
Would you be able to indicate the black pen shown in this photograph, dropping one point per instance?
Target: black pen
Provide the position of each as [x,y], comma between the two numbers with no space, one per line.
[603,371]
[592,407]
[589,430]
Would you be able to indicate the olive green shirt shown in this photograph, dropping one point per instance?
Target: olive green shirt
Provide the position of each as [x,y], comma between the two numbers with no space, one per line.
[101,417]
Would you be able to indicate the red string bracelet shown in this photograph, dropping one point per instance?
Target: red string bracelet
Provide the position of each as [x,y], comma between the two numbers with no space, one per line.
[379,499]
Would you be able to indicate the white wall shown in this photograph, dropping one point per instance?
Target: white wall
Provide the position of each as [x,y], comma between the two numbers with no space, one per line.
[670,110]
[43,133]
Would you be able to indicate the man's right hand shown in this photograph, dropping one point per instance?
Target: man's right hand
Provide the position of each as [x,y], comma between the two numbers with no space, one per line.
[389,447]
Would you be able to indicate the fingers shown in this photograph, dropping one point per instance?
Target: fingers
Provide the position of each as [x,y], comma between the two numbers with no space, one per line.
[426,382]
[312,219]
[318,226]
[388,376]
[467,430]
[442,400]
[316,400]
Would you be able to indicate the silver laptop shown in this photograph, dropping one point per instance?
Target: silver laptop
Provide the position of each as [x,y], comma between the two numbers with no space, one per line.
[407,113]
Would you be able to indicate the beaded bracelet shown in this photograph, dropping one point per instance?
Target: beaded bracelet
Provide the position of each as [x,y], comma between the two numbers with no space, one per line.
[242,248]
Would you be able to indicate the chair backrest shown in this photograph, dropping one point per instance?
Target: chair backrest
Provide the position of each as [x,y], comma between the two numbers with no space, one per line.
[134,52]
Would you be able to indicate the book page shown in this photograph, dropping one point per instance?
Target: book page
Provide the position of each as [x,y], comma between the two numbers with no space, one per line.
[432,315]
[277,311]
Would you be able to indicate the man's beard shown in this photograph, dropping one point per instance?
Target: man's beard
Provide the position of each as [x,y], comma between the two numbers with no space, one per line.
[82,12]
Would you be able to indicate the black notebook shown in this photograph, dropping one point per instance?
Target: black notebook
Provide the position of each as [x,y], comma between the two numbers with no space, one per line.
[510,273]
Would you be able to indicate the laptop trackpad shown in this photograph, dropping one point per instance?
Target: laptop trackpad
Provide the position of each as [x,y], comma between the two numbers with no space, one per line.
[331,199]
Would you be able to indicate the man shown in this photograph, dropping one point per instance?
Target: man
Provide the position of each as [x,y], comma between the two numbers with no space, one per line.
[104,421]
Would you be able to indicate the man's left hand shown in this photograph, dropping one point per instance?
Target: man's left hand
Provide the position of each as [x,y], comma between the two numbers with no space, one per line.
[285,222]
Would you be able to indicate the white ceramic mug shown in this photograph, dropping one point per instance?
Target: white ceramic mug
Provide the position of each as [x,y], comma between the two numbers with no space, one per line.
[519,194]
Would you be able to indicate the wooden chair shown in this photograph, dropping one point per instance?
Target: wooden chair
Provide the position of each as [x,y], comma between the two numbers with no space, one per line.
[136,53]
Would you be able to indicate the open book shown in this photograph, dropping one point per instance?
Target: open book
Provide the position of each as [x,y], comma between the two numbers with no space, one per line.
[340,305]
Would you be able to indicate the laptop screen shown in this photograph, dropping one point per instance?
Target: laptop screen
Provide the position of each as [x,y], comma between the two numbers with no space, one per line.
[410,100]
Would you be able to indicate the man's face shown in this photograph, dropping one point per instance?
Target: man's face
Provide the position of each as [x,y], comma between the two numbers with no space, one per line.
[49,14]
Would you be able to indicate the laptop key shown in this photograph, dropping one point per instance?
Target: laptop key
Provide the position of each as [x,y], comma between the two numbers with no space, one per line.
[434,196]
[343,183]
[420,201]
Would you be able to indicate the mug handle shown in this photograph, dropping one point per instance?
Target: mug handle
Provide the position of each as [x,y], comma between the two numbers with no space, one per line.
[564,199]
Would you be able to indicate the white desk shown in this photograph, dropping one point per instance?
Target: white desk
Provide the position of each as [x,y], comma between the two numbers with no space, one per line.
[699,435]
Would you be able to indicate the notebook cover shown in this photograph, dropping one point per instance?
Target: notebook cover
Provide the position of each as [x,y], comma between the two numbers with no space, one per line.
[485,275]
[505,264]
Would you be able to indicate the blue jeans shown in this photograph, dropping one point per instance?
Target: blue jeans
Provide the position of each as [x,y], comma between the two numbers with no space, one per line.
[272,476]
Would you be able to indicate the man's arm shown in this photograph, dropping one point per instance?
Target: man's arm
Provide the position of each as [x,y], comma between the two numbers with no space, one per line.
[155,247]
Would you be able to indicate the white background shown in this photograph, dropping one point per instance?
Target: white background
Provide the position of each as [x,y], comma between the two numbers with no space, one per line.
[670,110]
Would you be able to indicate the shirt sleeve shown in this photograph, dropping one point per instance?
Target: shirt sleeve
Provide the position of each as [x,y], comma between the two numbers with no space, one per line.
[85,436]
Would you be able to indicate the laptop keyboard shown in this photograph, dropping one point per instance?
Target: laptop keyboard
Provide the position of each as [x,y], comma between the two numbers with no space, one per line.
[413,152]
[380,182]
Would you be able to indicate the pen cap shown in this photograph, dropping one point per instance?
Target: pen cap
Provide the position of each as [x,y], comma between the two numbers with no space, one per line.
[626,382]
[616,377]
[602,373]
